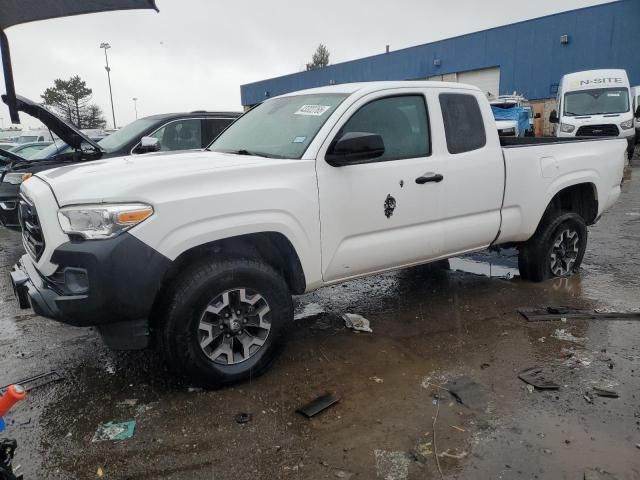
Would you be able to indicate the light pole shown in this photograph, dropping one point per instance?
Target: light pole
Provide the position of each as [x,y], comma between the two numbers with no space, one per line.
[106,47]
[135,105]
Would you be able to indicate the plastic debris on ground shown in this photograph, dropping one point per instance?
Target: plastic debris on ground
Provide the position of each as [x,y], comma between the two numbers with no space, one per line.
[539,378]
[343,474]
[565,335]
[455,455]
[243,418]
[357,322]
[114,431]
[469,393]
[565,313]
[318,405]
[423,448]
[605,392]
[37,380]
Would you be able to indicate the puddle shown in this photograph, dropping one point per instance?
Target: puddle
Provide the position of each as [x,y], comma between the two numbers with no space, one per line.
[486,269]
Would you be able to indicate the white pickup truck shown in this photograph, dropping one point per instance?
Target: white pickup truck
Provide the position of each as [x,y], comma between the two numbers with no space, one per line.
[199,253]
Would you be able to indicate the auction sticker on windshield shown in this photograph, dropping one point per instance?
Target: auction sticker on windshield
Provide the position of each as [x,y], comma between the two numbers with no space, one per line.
[313,110]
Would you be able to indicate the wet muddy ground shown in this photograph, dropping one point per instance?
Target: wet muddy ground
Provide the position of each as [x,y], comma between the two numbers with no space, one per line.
[434,330]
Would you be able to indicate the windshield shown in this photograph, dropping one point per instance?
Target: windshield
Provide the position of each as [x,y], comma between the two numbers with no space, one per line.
[28,139]
[281,128]
[599,101]
[123,136]
[46,152]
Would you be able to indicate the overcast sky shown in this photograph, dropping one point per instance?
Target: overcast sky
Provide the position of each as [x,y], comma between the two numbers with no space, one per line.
[195,54]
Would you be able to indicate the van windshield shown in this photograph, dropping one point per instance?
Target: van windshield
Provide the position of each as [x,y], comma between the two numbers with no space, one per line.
[599,101]
[279,128]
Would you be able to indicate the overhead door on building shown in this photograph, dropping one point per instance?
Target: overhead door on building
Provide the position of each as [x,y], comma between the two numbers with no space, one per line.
[449,77]
[487,80]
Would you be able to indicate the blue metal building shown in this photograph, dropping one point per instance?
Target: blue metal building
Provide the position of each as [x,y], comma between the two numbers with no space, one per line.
[528,57]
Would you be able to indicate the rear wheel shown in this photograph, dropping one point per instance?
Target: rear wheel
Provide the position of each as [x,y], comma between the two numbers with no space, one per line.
[225,321]
[556,249]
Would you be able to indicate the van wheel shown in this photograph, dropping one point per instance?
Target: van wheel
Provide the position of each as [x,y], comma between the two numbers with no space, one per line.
[556,249]
[225,321]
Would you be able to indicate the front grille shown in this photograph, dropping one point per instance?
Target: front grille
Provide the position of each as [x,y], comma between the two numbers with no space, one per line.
[598,131]
[32,236]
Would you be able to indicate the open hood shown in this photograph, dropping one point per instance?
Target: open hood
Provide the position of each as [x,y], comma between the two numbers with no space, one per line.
[15,12]
[67,133]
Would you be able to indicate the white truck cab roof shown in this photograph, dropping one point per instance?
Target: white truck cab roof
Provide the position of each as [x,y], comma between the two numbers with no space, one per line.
[369,87]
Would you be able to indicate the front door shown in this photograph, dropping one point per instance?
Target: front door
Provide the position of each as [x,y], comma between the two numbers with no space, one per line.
[385,213]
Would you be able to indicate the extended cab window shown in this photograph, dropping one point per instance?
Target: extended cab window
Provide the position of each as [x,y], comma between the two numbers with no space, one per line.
[463,123]
[401,122]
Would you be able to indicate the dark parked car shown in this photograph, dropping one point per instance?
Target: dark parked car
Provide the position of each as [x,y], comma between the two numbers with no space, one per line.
[165,132]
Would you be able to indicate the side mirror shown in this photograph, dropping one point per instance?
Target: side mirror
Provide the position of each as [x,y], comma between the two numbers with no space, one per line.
[638,113]
[355,147]
[553,117]
[148,144]
[537,115]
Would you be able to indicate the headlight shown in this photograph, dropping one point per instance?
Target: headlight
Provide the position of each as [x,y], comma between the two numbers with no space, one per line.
[16,178]
[94,222]
[566,128]
[627,125]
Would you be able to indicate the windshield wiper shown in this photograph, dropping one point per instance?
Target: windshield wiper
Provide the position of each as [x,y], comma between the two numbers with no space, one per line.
[243,151]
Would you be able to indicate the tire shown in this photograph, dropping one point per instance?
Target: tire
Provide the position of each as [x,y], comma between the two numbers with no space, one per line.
[554,250]
[200,333]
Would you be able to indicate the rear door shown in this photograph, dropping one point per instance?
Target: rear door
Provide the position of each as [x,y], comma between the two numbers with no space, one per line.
[473,170]
[375,216]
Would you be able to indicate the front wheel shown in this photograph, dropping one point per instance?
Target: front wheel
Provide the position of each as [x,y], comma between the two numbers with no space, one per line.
[224,321]
[556,249]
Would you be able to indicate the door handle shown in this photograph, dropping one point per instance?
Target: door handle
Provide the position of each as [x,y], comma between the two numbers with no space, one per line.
[429,177]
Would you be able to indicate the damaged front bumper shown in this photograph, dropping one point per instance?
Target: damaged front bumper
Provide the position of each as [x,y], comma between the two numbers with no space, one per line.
[31,291]
[110,284]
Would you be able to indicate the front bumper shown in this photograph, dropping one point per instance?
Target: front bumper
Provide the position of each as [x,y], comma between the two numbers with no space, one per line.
[105,283]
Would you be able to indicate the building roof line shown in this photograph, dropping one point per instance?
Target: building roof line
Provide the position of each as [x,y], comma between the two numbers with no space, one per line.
[442,40]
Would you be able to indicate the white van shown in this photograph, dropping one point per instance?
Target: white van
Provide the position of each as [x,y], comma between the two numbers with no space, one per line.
[595,103]
[29,136]
[635,94]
